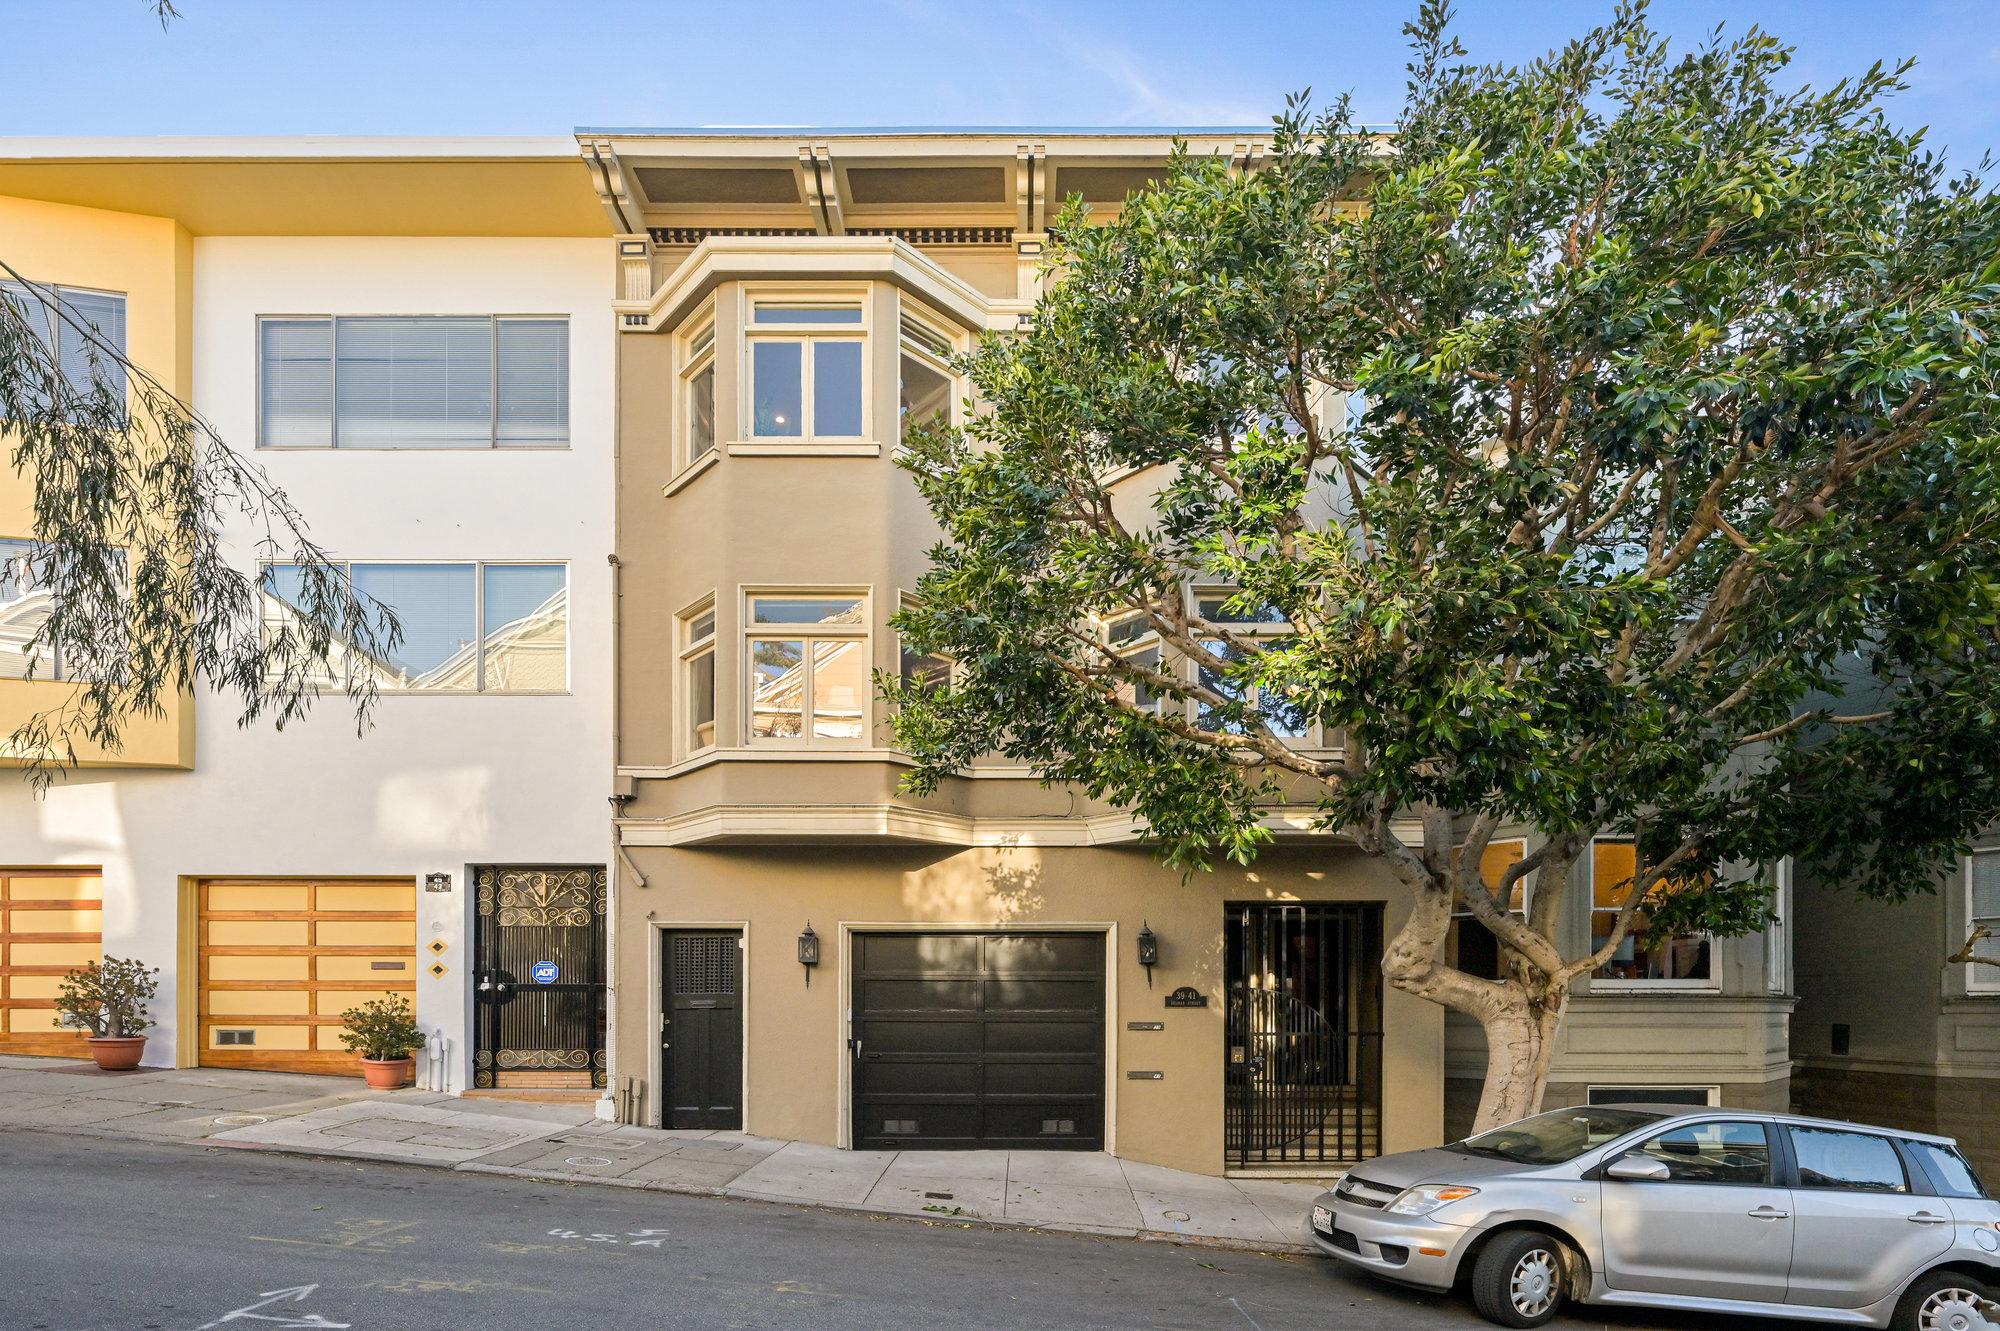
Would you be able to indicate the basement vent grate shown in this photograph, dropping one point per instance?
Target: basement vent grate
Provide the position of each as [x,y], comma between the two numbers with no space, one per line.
[899,1127]
[236,1037]
[1058,1127]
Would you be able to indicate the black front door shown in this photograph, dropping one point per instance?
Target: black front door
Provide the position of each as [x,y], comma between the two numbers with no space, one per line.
[701,1034]
[978,1040]
[538,953]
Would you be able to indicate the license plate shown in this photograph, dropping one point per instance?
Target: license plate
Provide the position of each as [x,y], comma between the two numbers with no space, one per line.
[1322,1219]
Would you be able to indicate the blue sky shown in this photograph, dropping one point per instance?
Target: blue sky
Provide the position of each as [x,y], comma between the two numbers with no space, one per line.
[513,67]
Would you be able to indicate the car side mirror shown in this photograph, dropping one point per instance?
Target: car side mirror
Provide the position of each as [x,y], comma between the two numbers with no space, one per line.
[1638,1169]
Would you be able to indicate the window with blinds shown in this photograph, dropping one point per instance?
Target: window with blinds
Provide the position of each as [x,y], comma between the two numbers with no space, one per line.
[1982,873]
[414,381]
[84,333]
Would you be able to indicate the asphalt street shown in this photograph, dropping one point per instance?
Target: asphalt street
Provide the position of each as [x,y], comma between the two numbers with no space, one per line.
[98,1234]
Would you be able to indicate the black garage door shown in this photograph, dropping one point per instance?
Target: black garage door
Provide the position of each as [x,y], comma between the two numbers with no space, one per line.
[979,1040]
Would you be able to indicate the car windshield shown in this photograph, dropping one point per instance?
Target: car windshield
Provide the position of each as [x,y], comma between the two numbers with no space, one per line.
[1558,1136]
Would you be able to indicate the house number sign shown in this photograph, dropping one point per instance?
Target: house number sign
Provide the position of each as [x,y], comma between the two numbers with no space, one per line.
[1187,996]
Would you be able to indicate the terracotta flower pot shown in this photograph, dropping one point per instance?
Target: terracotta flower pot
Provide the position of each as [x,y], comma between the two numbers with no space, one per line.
[116,1053]
[386,1074]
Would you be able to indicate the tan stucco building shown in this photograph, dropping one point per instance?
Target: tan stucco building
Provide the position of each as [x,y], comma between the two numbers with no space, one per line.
[787,300]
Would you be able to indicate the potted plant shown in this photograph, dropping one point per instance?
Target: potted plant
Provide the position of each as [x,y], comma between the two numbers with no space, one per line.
[384,1032]
[108,999]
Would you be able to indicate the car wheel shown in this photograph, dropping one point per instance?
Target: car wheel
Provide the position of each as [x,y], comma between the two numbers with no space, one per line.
[1942,1301]
[1518,1279]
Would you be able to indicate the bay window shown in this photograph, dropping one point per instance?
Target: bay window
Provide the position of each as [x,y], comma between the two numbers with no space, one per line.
[698,392]
[924,389]
[1681,961]
[1982,906]
[807,666]
[807,370]
[698,676]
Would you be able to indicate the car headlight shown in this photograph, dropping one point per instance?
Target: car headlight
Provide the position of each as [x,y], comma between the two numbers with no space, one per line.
[1424,1200]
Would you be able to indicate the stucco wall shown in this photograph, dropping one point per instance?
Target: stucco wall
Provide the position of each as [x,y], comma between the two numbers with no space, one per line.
[795,1035]
[440,782]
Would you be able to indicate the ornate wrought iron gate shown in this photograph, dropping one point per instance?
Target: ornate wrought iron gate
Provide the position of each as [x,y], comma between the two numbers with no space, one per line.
[539,982]
[1303,1043]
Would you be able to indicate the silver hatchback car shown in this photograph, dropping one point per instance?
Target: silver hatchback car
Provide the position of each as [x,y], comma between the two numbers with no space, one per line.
[1662,1206]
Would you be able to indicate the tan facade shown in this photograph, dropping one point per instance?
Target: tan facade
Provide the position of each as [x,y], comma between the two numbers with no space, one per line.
[766,536]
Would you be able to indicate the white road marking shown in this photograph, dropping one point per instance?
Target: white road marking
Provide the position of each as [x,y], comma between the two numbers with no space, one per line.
[296,1294]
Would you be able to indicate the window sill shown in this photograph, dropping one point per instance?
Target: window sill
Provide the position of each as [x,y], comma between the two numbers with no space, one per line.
[414,448]
[805,450]
[1654,987]
[692,470]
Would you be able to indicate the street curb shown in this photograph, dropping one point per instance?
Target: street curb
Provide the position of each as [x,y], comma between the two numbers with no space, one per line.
[853,1208]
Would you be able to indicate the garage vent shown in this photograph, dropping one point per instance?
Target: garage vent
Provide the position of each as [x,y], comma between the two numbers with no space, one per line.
[899,1127]
[236,1037]
[1058,1127]
[704,965]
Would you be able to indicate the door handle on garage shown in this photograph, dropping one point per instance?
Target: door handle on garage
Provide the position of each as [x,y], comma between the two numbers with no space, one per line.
[1770,1213]
[1926,1218]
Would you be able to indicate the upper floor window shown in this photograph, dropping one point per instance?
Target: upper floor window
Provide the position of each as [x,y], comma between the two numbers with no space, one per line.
[924,379]
[698,676]
[807,654]
[807,369]
[1681,961]
[698,391]
[25,603]
[414,381]
[1982,906]
[69,332]
[466,627]
[1470,945]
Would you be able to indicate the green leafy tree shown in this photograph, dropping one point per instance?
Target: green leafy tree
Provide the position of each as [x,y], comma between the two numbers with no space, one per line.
[1613,447]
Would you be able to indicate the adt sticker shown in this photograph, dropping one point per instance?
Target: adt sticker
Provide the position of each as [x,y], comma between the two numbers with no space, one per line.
[544,972]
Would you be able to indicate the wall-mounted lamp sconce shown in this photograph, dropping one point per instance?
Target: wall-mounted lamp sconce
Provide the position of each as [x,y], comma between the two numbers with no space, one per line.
[809,952]
[1149,951]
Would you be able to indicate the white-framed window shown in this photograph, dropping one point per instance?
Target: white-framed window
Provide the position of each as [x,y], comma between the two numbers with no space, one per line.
[467,627]
[1133,637]
[807,664]
[1777,934]
[925,670]
[25,605]
[1469,945]
[697,628]
[698,388]
[925,386]
[1982,906]
[1682,962]
[1218,605]
[81,360]
[807,357]
[413,381]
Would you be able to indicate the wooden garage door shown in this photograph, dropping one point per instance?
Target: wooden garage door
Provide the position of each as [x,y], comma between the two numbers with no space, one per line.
[282,959]
[50,921]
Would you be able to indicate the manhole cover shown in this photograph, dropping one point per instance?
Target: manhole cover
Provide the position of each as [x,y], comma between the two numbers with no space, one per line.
[593,1161]
[1177,1215]
[241,1120]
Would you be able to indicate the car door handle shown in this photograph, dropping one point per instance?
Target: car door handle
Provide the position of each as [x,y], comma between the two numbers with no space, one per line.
[1926,1218]
[1769,1213]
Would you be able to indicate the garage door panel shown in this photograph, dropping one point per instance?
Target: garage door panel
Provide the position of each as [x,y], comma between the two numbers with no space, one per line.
[1044,1079]
[1043,996]
[55,921]
[34,1021]
[365,933]
[33,986]
[947,953]
[64,955]
[920,995]
[979,1039]
[236,969]
[1039,954]
[259,896]
[258,933]
[256,1002]
[1044,1037]
[273,988]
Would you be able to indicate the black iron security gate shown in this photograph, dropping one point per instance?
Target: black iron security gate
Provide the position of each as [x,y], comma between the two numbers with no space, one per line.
[1303,1044]
[539,977]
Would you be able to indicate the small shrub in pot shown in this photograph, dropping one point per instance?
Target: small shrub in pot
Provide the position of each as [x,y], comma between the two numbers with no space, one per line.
[108,999]
[384,1032]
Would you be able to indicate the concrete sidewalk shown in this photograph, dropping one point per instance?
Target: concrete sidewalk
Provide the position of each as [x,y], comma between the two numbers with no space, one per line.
[1085,1192]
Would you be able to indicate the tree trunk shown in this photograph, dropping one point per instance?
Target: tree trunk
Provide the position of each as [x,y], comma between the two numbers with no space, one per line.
[1520,1036]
